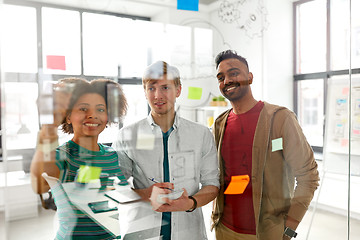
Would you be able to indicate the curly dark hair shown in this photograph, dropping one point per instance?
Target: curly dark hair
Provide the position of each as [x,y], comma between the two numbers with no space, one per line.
[111,91]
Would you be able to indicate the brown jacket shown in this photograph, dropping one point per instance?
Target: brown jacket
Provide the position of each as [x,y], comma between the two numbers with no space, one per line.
[274,172]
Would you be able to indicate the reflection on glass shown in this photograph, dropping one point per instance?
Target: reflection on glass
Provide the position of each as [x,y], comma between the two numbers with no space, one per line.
[18,39]
[311,110]
[61,41]
[311,41]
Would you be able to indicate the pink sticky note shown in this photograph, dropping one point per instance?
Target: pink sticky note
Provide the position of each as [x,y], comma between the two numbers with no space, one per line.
[55,62]
[345,91]
[344,142]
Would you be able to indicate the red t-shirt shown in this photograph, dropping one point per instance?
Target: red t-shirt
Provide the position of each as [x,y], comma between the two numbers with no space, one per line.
[237,154]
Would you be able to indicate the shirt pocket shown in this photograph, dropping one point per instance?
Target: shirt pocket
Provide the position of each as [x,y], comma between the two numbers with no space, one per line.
[183,170]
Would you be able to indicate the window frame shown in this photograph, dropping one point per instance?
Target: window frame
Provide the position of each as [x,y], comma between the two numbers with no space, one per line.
[36,77]
[325,75]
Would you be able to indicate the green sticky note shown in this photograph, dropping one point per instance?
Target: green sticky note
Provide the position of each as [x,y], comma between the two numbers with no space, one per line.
[88,173]
[277,144]
[195,93]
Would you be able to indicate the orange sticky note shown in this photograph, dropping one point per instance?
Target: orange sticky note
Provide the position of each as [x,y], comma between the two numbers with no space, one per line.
[237,184]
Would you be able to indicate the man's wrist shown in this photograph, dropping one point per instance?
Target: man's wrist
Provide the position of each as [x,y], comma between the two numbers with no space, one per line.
[289,233]
[194,205]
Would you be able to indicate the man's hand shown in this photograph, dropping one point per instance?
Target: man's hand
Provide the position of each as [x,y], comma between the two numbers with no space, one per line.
[146,193]
[182,203]
[291,223]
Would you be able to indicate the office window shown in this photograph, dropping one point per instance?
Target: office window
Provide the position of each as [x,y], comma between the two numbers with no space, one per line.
[342,36]
[203,53]
[21,115]
[143,38]
[123,47]
[137,104]
[101,44]
[137,110]
[61,41]
[311,105]
[311,40]
[328,98]
[327,45]
[311,110]
[18,39]
[177,50]
[76,43]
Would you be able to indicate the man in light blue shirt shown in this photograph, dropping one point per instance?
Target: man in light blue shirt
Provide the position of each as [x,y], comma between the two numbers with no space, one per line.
[174,153]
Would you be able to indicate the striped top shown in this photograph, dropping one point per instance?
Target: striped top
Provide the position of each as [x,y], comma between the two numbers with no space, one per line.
[74,224]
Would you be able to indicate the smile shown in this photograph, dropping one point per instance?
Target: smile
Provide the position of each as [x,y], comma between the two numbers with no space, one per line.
[230,88]
[91,124]
[159,104]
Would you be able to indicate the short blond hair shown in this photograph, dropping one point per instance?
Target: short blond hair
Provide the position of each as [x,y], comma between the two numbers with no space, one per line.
[160,69]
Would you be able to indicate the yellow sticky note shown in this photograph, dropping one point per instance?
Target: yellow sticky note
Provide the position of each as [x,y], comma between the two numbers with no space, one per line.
[276,144]
[194,93]
[88,173]
[237,184]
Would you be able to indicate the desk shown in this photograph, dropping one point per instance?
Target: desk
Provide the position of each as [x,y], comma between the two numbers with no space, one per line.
[136,220]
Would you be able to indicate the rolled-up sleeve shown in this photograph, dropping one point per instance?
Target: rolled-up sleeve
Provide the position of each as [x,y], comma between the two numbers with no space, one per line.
[209,170]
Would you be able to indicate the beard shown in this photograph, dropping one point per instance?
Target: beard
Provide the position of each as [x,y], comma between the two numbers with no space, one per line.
[236,94]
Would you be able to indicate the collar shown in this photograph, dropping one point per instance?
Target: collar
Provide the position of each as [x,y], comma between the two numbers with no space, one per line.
[152,123]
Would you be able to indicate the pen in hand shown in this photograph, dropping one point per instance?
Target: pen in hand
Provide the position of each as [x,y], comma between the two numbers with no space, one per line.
[154,181]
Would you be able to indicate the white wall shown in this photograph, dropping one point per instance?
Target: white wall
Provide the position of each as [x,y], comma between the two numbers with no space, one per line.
[279,53]
[270,57]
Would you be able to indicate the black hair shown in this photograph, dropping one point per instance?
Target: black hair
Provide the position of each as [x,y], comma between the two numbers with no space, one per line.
[229,54]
